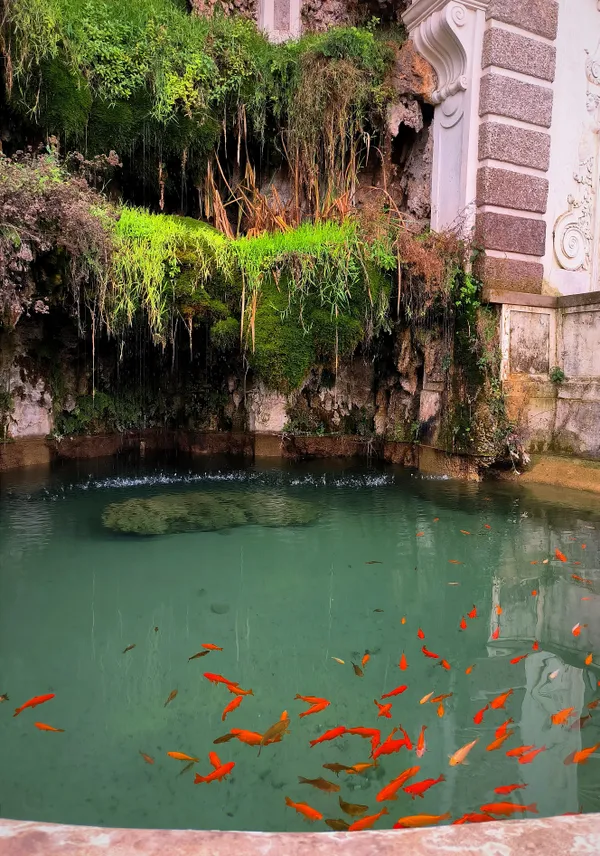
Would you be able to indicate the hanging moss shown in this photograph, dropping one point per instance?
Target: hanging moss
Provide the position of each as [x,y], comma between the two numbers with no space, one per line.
[225,334]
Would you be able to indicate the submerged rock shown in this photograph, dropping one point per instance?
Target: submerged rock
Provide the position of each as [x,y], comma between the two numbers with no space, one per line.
[190,512]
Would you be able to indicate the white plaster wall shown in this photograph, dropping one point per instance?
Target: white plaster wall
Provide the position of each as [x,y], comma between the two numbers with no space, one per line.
[572,203]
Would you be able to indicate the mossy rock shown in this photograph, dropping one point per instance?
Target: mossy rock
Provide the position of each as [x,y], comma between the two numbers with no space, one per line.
[205,512]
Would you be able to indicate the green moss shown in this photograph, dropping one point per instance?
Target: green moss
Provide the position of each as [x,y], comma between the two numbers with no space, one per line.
[225,335]
[97,413]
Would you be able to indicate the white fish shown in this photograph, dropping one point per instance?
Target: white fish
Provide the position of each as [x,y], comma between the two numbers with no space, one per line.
[553,674]
[337,660]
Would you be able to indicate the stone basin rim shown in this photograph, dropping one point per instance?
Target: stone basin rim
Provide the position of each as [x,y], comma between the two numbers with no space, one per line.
[557,835]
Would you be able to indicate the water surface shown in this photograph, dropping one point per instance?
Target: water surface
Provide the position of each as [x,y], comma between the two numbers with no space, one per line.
[282,602]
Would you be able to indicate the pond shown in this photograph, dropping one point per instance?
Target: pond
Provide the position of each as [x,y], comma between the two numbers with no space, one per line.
[296,573]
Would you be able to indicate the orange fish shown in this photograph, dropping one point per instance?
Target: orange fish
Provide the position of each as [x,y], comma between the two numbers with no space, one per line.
[310,699]
[535,646]
[403,620]
[181,756]
[33,702]
[441,697]
[367,822]
[384,709]
[581,756]
[533,563]
[329,735]
[459,756]
[534,592]
[497,743]
[486,526]
[407,739]
[365,732]
[473,613]
[396,692]
[365,659]
[421,746]
[576,631]
[250,738]
[592,705]
[435,519]
[507,789]
[403,664]
[498,610]
[528,758]
[496,633]
[219,679]
[430,653]
[147,758]
[238,690]
[561,717]
[217,775]
[478,718]
[305,810]
[464,532]
[420,534]
[390,791]
[469,669]
[516,660]
[357,769]
[583,546]
[506,809]
[419,788]
[560,556]
[500,701]
[236,702]
[315,708]
[172,695]
[445,665]
[503,728]
[210,647]
[420,634]
[214,760]
[454,562]
[43,727]
[388,747]
[463,623]
[474,817]
[519,751]
[441,710]
[417,820]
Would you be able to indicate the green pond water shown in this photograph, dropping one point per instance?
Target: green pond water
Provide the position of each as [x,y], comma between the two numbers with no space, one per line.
[282,600]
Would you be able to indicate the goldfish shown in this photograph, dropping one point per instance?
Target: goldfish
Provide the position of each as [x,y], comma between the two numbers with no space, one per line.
[337,660]
[403,664]
[459,756]
[147,758]
[441,697]
[497,743]
[417,820]
[390,791]
[500,701]
[535,646]
[340,768]
[384,709]
[236,702]
[388,747]
[516,660]
[238,690]
[421,745]
[396,692]
[561,717]
[329,735]
[426,698]
[353,809]
[366,822]
[464,532]
[181,756]
[445,665]
[552,675]
[373,562]
[582,756]
[436,519]
[576,631]
[129,648]
[219,679]
[519,751]
[198,655]
[499,610]
[420,634]
[505,809]
[496,633]
[43,727]
[545,561]
[33,702]
[584,546]
[469,669]
[473,613]
[358,769]
[463,623]
[419,788]
[420,534]
[276,731]
[365,659]
[430,654]
[315,708]
[358,671]
[580,723]
[310,699]
[337,824]
[210,647]
[359,731]
[217,775]
[4,697]
[473,817]
[454,562]
[502,728]
[478,718]
[225,738]
[320,783]
[250,738]
[214,760]
[534,592]
[528,758]
[504,790]
[533,563]
[172,695]
[486,526]
[560,556]
[186,768]
[441,710]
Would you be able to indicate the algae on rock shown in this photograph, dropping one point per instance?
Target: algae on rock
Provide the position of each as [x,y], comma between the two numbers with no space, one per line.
[190,512]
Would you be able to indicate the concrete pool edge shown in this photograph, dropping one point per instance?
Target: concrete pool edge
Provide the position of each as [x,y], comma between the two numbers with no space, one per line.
[557,835]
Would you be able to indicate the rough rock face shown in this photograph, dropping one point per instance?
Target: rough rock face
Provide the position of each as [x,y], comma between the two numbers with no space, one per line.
[318,15]
[32,410]
[267,410]
[247,8]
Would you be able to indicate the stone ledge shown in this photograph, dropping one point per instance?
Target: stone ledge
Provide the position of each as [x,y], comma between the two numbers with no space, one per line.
[505,49]
[560,836]
[519,298]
